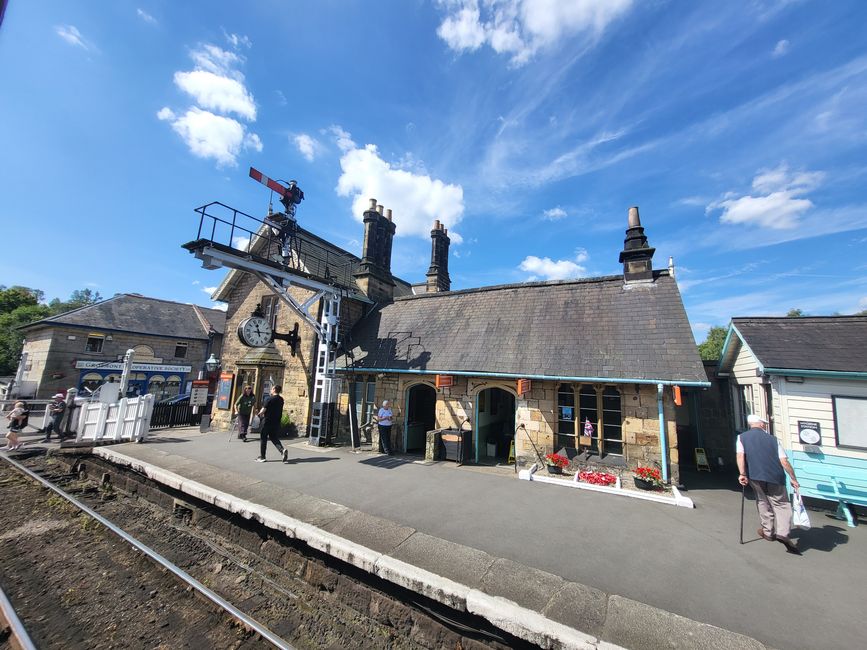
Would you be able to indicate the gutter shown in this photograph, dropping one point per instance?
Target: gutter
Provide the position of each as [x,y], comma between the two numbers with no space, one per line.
[509,375]
[831,374]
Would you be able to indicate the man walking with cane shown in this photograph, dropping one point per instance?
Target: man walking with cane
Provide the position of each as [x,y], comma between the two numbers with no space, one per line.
[763,464]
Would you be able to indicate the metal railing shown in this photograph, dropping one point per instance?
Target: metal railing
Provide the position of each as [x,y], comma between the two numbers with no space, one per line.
[182,414]
[226,226]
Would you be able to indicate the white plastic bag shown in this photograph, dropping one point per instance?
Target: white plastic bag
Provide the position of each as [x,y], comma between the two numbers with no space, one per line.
[800,518]
[255,424]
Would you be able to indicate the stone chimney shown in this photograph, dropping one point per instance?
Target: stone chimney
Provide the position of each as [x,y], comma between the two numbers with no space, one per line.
[636,255]
[374,272]
[438,273]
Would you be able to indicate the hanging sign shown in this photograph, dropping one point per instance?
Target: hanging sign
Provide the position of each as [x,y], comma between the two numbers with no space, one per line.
[224,390]
[678,400]
[524,386]
[444,381]
[809,432]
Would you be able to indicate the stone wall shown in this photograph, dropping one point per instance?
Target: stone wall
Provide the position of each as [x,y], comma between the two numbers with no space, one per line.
[536,411]
[67,345]
[296,373]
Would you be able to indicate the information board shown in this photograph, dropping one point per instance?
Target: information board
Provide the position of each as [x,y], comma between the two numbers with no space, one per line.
[224,390]
[809,432]
[199,392]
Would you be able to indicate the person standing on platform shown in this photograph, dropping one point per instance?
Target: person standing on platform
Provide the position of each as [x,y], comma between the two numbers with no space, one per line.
[56,410]
[763,464]
[271,413]
[244,408]
[384,421]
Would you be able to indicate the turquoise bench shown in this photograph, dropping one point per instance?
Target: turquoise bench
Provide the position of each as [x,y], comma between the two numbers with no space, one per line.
[833,478]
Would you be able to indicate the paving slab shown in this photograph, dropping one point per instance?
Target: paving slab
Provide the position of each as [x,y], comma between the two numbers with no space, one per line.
[444,558]
[674,560]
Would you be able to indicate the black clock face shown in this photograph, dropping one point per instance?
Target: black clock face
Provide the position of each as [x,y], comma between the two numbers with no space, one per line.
[255,332]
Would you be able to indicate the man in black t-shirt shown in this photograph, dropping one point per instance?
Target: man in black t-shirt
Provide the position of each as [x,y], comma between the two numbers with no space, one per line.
[271,414]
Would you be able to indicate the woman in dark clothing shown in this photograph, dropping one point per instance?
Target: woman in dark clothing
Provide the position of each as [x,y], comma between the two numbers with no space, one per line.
[244,408]
[271,413]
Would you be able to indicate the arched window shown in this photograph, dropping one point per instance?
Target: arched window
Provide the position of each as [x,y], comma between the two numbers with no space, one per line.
[156,386]
[143,353]
[90,382]
[173,386]
[566,416]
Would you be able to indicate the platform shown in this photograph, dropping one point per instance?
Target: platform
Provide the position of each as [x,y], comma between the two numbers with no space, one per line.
[567,566]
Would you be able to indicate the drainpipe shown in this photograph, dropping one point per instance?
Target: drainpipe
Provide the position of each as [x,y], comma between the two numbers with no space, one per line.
[663,440]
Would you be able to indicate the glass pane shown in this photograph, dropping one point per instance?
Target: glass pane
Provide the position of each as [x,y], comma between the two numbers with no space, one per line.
[371,392]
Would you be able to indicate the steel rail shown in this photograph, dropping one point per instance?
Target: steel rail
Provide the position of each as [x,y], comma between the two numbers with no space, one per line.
[16,627]
[250,623]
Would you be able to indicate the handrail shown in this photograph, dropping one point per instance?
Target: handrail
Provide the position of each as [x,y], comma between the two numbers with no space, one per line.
[305,254]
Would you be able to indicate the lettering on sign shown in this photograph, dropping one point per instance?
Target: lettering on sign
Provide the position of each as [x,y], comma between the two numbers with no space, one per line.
[199,392]
[224,390]
[137,367]
[809,432]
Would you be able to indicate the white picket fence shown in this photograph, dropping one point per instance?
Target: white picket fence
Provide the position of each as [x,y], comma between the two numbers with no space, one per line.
[128,419]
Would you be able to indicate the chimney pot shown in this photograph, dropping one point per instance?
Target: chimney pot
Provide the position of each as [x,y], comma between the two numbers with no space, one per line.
[436,224]
[373,204]
[380,209]
[388,214]
[634,219]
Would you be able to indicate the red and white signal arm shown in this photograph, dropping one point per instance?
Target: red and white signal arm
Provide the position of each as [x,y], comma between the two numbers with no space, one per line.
[444,381]
[524,386]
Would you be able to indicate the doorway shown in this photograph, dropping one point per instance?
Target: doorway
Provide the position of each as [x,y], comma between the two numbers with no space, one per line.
[421,402]
[495,425]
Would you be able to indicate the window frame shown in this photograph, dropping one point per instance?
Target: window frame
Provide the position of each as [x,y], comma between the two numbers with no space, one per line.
[94,337]
[837,425]
[181,345]
[270,304]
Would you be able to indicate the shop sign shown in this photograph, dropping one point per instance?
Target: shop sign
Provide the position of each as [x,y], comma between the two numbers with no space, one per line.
[524,386]
[137,367]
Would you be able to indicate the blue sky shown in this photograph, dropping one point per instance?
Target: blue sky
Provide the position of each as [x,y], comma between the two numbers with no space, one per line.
[527,126]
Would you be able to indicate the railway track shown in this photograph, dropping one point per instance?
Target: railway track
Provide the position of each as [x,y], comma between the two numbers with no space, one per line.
[259,635]
[96,556]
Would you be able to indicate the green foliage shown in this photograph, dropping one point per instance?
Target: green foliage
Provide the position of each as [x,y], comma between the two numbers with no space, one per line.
[22,305]
[711,349]
[795,313]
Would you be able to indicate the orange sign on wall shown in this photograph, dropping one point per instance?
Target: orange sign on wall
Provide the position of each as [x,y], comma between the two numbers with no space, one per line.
[677,397]
[444,381]
[524,386]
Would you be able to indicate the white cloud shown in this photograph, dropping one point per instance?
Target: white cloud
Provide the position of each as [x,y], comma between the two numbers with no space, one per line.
[217,86]
[776,204]
[71,35]
[520,28]
[780,49]
[212,136]
[217,93]
[220,306]
[237,40]
[308,146]
[555,213]
[416,199]
[196,282]
[342,138]
[145,16]
[241,243]
[209,290]
[549,269]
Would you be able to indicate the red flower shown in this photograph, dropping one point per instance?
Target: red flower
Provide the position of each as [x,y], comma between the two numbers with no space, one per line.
[597,478]
[557,460]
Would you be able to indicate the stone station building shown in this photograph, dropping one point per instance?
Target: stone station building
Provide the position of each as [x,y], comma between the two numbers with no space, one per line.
[587,366]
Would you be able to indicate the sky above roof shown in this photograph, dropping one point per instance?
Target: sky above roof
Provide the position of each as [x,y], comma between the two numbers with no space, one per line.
[528,127]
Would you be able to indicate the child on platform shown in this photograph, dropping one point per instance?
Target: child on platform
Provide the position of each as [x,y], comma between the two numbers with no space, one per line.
[17,417]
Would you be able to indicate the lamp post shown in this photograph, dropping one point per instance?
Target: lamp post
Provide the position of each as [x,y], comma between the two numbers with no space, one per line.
[212,364]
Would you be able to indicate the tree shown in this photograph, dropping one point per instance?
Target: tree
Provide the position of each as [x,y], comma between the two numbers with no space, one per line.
[711,349]
[795,313]
[79,298]
[13,297]
[11,338]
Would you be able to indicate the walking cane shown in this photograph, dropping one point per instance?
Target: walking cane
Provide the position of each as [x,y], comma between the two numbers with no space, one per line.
[743,497]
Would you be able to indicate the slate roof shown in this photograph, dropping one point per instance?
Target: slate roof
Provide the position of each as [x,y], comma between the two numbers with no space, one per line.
[584,328]
[834,343]
[127,312]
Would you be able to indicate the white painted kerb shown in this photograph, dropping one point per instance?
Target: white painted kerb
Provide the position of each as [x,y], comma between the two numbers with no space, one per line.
[510,616]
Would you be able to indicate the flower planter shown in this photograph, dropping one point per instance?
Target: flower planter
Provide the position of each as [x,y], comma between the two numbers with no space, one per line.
[641,484]
[554,469]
